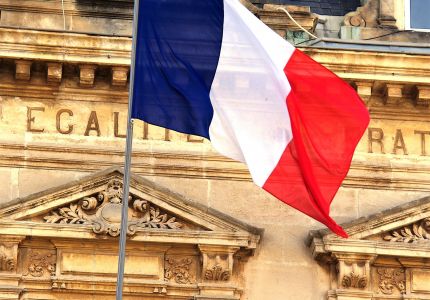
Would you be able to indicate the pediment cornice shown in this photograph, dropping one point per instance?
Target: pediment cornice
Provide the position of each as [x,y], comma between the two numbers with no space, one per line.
[402,230]
[386,257]
[90,209]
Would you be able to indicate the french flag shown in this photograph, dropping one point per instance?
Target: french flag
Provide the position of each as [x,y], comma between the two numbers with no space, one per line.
[211,68]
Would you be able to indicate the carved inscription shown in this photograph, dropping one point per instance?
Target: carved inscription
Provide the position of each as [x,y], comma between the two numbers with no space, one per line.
[103,211]
[414,233]
[379,142]
[391,280]
[179,270]
[65,123]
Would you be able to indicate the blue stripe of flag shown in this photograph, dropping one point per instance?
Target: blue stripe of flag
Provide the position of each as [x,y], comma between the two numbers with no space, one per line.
[178,49]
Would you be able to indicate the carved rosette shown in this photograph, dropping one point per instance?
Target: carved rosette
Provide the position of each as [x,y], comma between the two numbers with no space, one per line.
[391,280]
[103,212]
[414,233]
[40,263]
[353,280]
[179,270]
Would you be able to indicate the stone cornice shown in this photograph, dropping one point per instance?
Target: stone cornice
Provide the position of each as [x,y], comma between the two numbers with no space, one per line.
[368,65]
[372,171]
[45,7]
[115,51]
[33,229]
[64,47]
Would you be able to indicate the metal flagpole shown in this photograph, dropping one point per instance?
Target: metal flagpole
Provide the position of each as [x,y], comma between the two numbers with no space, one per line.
[129,144]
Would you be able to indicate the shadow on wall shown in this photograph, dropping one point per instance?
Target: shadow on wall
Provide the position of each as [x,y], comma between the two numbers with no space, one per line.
[322,7]
[103,5]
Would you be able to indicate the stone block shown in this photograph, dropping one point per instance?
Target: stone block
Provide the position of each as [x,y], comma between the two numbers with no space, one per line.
[23,69]
[55,72]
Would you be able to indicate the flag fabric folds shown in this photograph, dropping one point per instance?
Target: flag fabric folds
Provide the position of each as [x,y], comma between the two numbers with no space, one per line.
[211,68]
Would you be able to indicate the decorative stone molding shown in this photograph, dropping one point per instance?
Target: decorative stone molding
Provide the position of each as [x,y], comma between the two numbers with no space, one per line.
[103,212]
[391,279]
[7,262]
[119,76]
[353,280]
[55,72]
[393,94]
[23,69]
[353,271]
[87,75]
[63,258]
[365,16]
[414,233]
[217,273]
[179,270]
[385,257]
[40,263]
[281,23]
[422,98]
[217,262]
[364,89]
[386,14]
[9,253]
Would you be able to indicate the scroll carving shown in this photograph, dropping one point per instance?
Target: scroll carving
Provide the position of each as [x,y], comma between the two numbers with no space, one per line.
[390,280]
[179,270]
[217,273]
[365,16]
[103,212]
[414,233]
[7,263]
[40,264]
[354,281]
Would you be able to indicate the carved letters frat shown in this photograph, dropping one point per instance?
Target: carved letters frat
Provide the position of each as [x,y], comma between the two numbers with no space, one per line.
[414,233]
[103,212]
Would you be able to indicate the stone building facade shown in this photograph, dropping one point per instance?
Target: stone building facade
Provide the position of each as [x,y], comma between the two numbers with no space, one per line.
[199,228]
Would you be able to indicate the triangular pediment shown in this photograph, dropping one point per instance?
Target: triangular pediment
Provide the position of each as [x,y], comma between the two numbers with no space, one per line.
[405,227]
[91,207]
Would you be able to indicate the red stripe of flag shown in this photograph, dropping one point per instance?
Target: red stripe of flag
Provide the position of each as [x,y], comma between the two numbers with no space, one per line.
[328,119]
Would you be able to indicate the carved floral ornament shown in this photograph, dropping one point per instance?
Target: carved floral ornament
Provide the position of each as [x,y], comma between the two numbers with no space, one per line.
[103,212]
[40,263]
[390,280]
[413,233]
[353,280]
[217,273]
[179,270]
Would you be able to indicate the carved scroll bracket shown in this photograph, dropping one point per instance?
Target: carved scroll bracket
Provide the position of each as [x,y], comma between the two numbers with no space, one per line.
[9,253]
[353,271]
[365,16]
[217,262]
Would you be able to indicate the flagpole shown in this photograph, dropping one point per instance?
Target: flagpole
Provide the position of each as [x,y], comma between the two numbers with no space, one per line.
[129,144]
